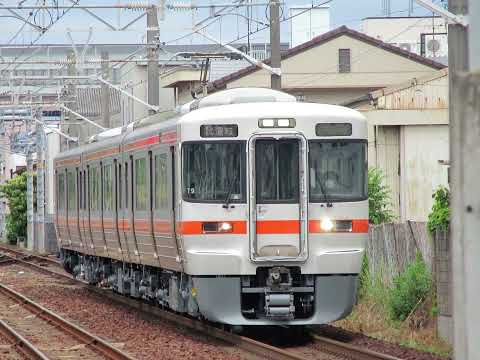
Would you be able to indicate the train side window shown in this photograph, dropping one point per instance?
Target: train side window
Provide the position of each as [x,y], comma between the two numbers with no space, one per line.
[161,195]
[93,187]
[61,192]
[71,191]
[141,184]
[107,187]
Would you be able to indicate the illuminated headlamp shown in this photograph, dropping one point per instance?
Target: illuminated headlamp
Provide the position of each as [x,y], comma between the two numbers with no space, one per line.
[217,227]
[276,123]
[328,225]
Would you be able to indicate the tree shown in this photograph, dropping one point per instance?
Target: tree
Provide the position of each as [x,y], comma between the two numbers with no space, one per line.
[379,206]
[15,190]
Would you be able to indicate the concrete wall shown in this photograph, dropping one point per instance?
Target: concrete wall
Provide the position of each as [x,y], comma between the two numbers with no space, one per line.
[421,149]
[134,81]
[408,156]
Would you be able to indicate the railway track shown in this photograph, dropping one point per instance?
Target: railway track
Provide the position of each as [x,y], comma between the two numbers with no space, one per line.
[334,348]
[41,334]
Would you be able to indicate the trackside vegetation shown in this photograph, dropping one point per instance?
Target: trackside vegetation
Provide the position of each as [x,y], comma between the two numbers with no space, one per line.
[439,217]
[379,205]
[15,191]
[401,310]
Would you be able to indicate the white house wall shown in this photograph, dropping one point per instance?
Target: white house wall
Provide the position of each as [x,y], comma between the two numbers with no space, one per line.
[422,148]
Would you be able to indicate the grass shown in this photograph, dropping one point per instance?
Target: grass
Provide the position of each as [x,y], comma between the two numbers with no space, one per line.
[370,317]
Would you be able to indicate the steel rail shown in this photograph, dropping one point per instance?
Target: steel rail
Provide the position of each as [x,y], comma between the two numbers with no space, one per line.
[245,343]
[351,351]
[31,255]
[92,341]
[22,345]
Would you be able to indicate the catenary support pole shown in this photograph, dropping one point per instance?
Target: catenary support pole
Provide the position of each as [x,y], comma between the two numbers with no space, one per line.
[458,63]
[153,38]
[276,80]
[105,92]
[30,221]
[40,228]
[67,127]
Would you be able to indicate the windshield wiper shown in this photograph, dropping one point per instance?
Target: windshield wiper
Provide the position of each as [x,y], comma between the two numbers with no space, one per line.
[325,195]
[229,194]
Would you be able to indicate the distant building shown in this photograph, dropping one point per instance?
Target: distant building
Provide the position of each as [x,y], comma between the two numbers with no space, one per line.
[336,67]
[307,22]
[422,35]
[408,139]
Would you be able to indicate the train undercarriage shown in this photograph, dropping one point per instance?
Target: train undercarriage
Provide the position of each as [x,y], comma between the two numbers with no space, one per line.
[275,295]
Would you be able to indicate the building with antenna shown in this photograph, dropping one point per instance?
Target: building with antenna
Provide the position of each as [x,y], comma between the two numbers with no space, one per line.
[422,35]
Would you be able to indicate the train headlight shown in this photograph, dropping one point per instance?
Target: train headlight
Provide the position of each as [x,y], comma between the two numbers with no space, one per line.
[267,123]
[217,227]
[326,225]
[225,227]
[277,123]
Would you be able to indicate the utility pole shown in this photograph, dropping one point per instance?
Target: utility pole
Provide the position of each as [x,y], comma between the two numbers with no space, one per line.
[458,63]
[68,127]
[105,91]
[30,222]
[40,233]
[153,40]
[275,57]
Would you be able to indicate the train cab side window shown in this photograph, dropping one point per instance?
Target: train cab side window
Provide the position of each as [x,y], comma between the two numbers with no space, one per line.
[71,192]
[61,191]
[141,184]
[94,190]
[161,195]
[107,188]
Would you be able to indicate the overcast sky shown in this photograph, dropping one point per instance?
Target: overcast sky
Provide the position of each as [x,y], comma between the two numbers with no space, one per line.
[177,23]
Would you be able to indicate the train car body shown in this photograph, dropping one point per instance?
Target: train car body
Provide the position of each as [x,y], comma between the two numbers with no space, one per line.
[249,209]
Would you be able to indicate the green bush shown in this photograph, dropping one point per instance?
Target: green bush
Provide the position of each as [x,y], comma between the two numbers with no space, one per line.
[439,217]
[379,206]
[15,190]
[409,290]
[364,277]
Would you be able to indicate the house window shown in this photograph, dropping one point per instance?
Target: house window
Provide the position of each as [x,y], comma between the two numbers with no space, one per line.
[343,60]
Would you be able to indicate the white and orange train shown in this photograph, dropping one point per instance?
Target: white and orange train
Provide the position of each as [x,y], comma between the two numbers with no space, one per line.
[245,208]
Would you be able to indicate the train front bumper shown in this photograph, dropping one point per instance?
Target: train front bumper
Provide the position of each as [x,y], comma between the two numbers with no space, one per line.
[219,300]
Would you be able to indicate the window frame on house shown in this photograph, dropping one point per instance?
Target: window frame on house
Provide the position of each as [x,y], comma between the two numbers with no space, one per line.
[344,60]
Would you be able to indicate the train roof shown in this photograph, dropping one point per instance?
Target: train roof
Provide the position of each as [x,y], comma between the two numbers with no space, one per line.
[235,104]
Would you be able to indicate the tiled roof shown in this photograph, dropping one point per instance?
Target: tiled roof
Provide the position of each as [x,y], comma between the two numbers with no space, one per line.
[319,40]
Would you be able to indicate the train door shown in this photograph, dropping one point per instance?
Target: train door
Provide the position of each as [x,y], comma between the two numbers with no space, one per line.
[61,213]
[121,212]
[278,197]
[95,208]
[83,213]
[109,221]
[163,208]
[125,217]
[131,238]
[72,209]
[142,208]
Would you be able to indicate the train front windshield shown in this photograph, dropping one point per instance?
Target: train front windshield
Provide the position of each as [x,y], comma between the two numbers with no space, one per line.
[338,170]
[214,172]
